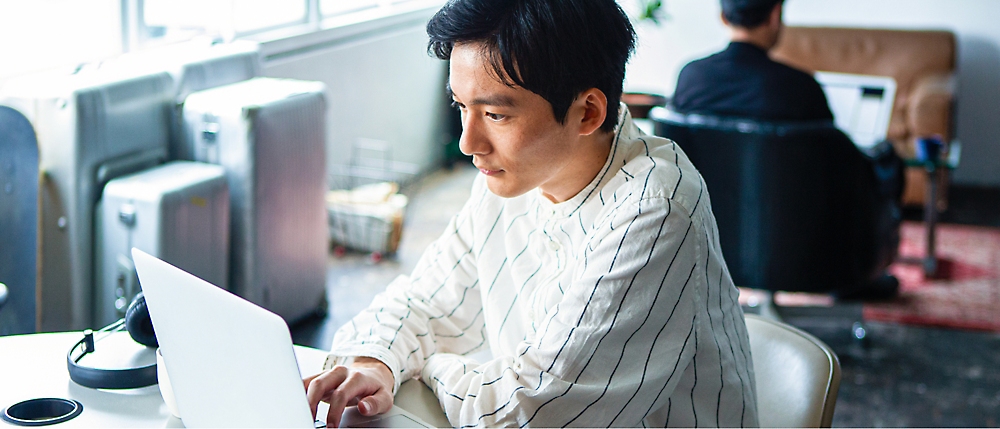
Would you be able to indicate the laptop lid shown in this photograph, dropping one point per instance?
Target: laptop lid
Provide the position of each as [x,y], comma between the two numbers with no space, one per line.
[231,363]
[861,104]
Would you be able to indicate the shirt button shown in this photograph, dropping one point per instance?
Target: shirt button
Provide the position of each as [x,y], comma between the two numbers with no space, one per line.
[553,245]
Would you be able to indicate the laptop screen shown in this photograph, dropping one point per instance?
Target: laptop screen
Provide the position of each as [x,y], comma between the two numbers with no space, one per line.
[861,104]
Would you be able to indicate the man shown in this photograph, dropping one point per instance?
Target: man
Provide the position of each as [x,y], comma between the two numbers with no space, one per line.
[742,81]
[585,261]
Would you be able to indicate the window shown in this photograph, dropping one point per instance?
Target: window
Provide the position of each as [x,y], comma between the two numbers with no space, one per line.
[179,19]
[37,35]
[42,34]
[330,8]
[255,15]
[336,7]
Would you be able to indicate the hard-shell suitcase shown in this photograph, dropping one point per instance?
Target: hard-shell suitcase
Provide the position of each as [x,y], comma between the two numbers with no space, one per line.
[178,212]
[270,135]
[93,124]
[18,222]
[201,69]
[194,65]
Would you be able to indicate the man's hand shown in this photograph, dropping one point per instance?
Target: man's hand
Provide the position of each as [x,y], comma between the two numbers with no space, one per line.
[367,383]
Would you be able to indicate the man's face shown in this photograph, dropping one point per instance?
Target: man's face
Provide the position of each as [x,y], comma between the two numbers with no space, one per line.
[511,133]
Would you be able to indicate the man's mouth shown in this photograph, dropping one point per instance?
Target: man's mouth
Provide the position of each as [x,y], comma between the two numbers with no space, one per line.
[488,171]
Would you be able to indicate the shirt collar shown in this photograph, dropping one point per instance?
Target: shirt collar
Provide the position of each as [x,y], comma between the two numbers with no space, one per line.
[625,131]
[746,47]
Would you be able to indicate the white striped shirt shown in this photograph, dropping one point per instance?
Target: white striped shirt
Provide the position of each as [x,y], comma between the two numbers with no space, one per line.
[614,308]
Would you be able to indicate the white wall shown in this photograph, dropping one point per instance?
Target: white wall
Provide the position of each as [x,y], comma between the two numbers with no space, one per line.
[381,85]
[694,30]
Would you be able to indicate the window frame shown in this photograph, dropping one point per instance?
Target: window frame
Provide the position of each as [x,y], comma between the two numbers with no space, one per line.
[136,35]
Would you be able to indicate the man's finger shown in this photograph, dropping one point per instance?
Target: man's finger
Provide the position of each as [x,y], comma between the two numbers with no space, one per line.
[378,403]
[357,385]
[305,381]
[319,387]
[333,417]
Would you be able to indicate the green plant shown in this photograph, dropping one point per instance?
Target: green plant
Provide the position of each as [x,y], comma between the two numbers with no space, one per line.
[652,10]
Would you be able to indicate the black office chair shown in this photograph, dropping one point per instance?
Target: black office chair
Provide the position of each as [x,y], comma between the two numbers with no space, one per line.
[799,207]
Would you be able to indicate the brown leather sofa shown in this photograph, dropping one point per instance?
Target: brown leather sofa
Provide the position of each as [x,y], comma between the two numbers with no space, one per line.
[921,62]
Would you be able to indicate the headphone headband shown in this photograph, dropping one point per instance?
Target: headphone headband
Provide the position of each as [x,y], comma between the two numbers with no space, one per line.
[129,378]
[140,328]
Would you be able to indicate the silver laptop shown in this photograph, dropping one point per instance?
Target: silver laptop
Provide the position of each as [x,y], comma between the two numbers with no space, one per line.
[861,104]
[231,363]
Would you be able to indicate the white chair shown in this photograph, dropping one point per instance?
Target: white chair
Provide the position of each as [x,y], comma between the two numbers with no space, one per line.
[797,375]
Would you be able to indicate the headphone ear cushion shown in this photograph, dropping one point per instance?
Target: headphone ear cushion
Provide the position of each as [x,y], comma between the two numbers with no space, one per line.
[138,323]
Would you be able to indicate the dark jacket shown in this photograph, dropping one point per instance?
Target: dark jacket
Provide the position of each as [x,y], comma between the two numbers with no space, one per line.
[742,81]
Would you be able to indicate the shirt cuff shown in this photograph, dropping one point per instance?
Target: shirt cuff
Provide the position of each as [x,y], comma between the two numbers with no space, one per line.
[345,356]
[438,366]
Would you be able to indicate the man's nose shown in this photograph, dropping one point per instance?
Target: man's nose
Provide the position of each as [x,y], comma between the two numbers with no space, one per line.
[473,140]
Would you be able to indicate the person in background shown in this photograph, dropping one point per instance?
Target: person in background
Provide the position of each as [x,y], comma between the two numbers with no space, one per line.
[742,81]
[585,264]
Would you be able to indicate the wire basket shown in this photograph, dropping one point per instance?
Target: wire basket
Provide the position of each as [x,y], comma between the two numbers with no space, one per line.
[368,218]
[370,162]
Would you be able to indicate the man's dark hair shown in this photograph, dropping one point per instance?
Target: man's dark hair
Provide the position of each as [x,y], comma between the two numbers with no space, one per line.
[554,48]
[748,13]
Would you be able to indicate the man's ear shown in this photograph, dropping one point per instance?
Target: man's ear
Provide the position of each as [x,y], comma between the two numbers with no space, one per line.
[775,18]
[594,106]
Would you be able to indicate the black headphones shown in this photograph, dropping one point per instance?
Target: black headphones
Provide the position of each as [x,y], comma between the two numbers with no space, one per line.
[140,327]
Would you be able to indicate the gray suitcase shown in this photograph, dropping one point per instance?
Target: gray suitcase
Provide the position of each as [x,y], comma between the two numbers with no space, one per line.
[206,68]
[93,125]
[18,222]
[270,135]
[178,212]
[194,65]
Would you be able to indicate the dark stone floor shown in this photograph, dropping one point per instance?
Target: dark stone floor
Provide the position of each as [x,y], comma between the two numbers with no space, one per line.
[967,205]
[902,376]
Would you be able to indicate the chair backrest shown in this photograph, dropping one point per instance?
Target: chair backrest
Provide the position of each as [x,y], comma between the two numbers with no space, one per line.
[797,204]
[18,222]
[797,375]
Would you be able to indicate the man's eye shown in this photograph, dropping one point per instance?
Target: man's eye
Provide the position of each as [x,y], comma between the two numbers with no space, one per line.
[495,116]
[457,105]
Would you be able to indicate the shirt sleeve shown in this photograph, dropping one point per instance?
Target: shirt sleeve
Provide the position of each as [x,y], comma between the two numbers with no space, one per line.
[611,351]
[436,308]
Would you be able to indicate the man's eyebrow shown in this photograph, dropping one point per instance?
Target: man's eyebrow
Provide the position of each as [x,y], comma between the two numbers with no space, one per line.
[498,100]
[491,100]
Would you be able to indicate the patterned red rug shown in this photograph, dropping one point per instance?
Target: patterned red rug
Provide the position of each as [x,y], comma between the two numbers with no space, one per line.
[963,294]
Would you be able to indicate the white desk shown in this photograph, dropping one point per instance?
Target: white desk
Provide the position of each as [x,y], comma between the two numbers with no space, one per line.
[34,366]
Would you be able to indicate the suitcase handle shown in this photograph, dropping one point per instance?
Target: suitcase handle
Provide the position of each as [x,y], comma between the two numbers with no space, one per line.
[128,164]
